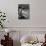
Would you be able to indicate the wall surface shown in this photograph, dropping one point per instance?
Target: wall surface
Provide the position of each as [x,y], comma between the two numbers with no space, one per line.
[37,21]
[37,13]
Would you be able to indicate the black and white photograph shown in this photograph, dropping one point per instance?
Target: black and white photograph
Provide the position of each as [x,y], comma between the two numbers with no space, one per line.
[23,11]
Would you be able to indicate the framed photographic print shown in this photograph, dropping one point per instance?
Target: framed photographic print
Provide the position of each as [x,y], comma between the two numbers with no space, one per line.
[19,14]
[23,11]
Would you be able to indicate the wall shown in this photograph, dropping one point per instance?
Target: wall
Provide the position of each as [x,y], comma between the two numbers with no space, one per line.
[37,13]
